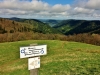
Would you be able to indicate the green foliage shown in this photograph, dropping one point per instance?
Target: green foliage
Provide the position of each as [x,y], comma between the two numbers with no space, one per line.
[25,25]
[67,25]
[31,29]
[51,22]
[63,58]
[78,26]
[38,26]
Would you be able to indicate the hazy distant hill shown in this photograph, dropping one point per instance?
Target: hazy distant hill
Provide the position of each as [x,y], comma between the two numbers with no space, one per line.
[16,24]
[78,26]
[51,22]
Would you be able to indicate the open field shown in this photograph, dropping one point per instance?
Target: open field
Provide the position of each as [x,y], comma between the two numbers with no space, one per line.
[63,58]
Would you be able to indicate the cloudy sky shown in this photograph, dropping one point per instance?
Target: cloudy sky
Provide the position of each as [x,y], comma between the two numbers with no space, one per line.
[51,9]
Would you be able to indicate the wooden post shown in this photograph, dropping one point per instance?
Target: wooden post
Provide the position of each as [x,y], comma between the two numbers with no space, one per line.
[34,71]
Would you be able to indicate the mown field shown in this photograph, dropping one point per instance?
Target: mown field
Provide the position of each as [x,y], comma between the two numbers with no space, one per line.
[63,58]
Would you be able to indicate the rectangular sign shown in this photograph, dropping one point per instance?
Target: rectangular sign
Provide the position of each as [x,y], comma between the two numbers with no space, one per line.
[31,51]
[33,63]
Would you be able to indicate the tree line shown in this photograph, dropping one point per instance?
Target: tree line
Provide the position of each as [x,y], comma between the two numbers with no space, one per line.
[19,36]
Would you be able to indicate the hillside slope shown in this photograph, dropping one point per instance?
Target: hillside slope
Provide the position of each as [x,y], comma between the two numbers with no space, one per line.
[87,27]
[63,58]
[25,25]
[38,25]
[10,26]
[68,25]
[78,26]
[51,22]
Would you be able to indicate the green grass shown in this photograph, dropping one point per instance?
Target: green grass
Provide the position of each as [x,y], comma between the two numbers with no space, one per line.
[63,58]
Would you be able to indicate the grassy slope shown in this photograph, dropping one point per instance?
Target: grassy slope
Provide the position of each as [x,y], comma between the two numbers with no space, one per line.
[63,58]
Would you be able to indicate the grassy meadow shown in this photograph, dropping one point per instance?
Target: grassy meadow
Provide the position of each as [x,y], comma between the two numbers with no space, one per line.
[63,58]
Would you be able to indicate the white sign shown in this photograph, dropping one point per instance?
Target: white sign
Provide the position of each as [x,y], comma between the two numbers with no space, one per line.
[31,51]
[33,63]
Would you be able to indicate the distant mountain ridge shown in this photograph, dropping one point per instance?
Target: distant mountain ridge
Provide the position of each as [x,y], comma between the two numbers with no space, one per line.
[78,26]
[51,22]
[12,25]
[22,19]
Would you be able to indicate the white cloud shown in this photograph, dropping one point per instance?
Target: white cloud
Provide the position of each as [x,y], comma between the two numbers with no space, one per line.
[60,8]
[40,9]
[23,5]
[82,10]
[86,9]
[96,15]
[93,4]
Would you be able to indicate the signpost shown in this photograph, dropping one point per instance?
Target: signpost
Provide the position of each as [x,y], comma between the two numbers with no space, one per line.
[32,51]
[33,63]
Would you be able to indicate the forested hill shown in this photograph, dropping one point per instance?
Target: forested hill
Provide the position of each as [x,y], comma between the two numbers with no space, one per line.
[39,26]
[78,26]
[30,29]
[24,25]
[10,26]
[51,22]
[66,27]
